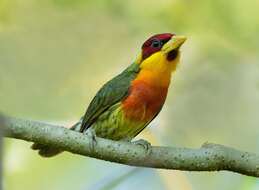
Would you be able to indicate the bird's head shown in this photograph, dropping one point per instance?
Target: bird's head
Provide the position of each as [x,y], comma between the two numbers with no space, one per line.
[161,51]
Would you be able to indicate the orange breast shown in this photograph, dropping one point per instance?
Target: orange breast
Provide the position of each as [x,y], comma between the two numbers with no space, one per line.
[144,100]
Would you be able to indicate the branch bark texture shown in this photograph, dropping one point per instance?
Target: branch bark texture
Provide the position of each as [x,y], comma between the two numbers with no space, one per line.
[210,157]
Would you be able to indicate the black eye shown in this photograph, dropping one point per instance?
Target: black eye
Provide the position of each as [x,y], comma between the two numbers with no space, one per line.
[156,44]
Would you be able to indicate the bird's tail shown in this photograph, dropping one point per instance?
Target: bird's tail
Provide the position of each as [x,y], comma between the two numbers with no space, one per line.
[49,151]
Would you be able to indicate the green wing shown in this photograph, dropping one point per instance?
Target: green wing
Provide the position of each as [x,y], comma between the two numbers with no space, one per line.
[112,92]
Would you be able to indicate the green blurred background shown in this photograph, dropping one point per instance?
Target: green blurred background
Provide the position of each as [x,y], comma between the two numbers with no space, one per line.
[55,54]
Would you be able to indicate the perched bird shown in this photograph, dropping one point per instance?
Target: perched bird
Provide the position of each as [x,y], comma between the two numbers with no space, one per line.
[125,105]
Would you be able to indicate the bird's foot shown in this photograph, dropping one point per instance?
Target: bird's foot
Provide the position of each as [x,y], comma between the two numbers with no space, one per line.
[77,126]
[145,144]
[92,136]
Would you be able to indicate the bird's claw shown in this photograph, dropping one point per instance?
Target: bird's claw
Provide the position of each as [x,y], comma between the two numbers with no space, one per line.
[92,136]
[145,144]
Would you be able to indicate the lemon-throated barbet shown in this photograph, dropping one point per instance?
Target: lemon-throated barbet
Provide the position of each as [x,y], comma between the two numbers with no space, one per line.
[125,105]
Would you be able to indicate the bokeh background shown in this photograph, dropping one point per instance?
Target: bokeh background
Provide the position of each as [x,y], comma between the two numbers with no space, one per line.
[55,54]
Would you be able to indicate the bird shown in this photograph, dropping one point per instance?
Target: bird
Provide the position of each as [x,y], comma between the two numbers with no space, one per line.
[126,104]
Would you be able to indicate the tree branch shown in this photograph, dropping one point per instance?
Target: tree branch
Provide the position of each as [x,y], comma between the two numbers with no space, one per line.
[210,157]
[1,152]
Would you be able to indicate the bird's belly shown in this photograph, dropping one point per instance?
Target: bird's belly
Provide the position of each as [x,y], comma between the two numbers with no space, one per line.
[113,124]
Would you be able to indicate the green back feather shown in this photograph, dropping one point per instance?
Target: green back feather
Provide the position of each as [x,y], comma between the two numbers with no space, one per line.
[111,93]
